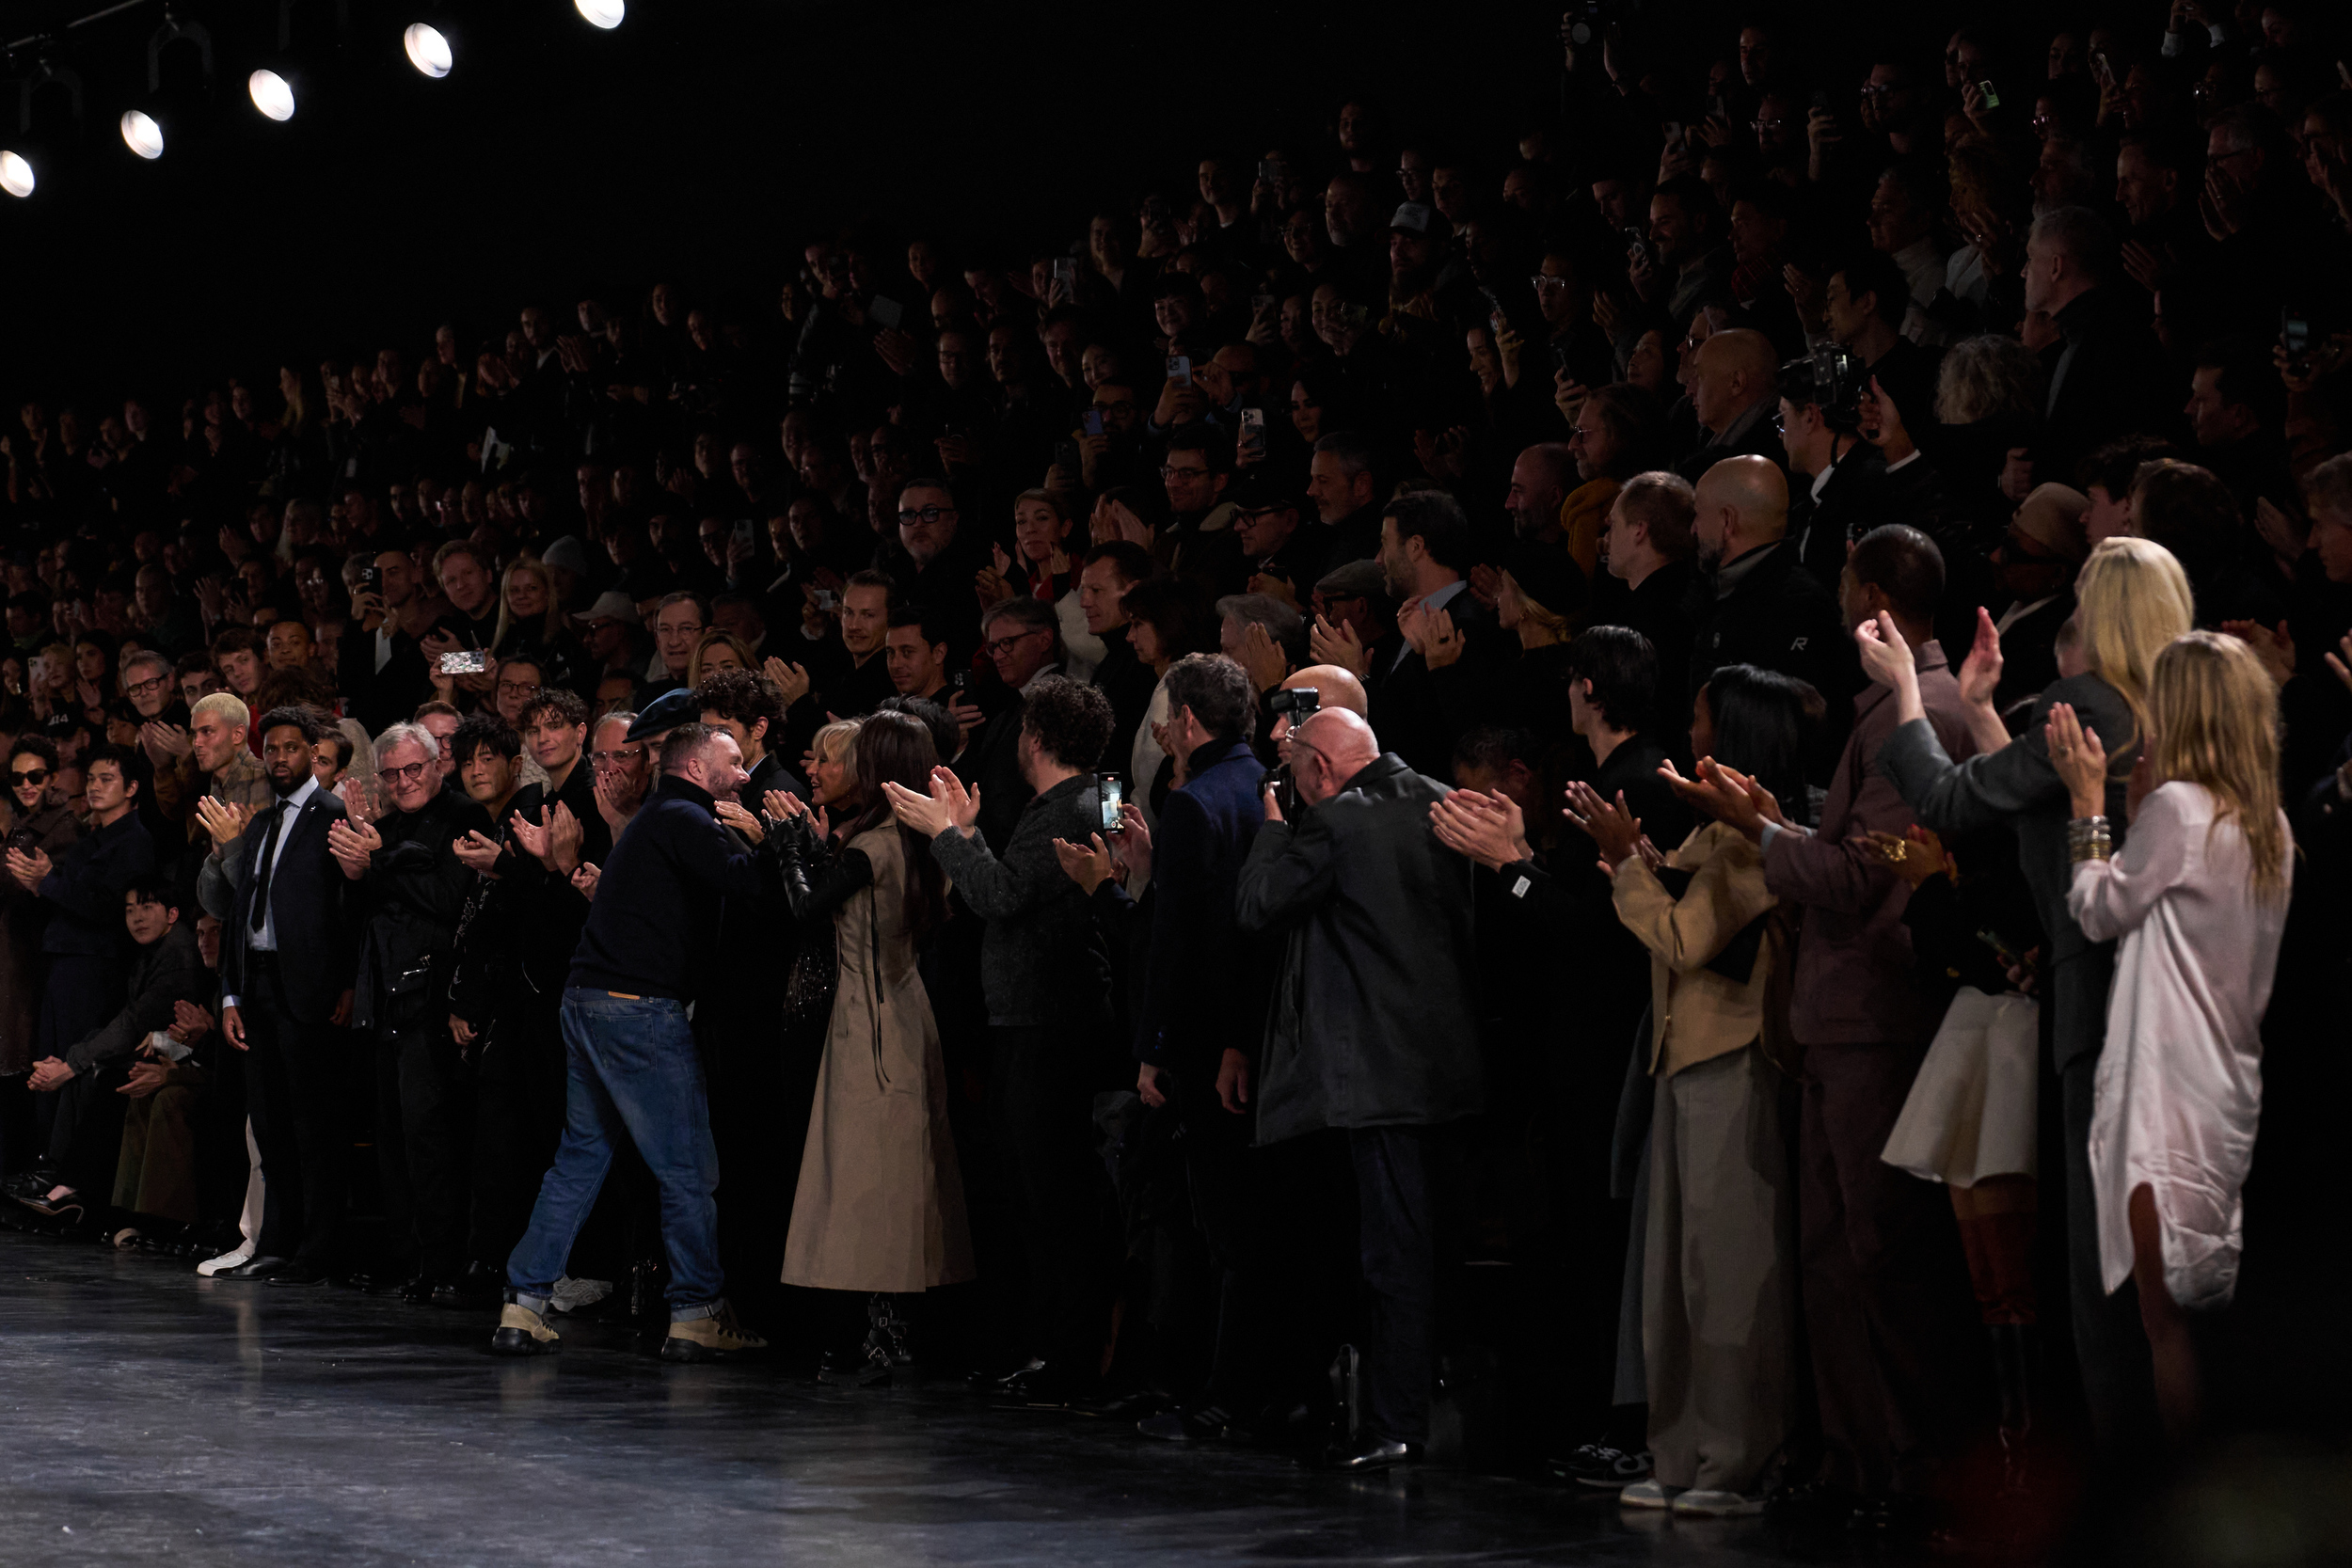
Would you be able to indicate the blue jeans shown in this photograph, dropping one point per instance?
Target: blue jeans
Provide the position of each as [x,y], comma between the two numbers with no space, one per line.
[633,1074]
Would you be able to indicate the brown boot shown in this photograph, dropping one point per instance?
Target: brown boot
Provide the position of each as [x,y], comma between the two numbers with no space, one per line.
[523,1332]
[712,1338]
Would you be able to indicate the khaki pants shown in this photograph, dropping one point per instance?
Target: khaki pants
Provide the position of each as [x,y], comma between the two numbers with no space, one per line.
[1719,1282]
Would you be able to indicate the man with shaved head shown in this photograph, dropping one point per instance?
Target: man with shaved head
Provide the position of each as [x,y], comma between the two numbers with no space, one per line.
[1372,1032]
[1764,607]
[1334,686]
[1734,390]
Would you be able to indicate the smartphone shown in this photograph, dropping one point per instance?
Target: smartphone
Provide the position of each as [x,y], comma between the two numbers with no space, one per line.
[1066,272]
[1821,102]
[2294,335]
[828,600]
[1111,792]
[1261,304]
[958,679]
[1269,170]
[466,664]
[887,313]
[743,534]
[1991,97]
[1180,369]
[1093,423]
[1253,427]
[1675,130]
[1066,454]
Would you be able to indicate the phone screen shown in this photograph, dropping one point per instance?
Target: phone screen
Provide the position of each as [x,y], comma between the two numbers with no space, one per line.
[1179,369]
[1094,421]
[1113,793]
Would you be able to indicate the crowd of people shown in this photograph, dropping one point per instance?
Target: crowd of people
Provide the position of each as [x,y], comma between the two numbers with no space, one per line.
[1730,707]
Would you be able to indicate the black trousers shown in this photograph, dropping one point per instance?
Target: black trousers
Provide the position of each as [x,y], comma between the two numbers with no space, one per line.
[1402,1174]
[1041,1091]
[424,1124]
[294,1092]
[519,1083]
[85,1132]
[1231,1204]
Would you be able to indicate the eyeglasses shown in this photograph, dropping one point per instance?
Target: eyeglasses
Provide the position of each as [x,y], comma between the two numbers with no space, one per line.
[1541,282]
[1760,126]
[518,689]
[909,517]
[606,762]
[141,688]
[413,773]
[1005,645]
[1170,472]
[34,776]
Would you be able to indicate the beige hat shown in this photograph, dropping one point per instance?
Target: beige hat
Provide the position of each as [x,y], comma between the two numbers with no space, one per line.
[2052,516]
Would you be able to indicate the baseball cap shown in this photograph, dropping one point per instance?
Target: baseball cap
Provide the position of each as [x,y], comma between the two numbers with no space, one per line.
[1414,217]
[611,605]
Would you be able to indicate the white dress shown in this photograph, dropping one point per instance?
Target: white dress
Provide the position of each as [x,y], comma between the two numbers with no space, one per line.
[1971,1111]
[2178,1095]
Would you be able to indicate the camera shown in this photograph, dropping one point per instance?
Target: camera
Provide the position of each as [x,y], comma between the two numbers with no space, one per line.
[1298,703]
[1585,19]
[1832,378]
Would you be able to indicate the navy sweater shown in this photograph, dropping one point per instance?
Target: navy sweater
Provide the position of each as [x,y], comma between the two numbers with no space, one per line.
[655,914]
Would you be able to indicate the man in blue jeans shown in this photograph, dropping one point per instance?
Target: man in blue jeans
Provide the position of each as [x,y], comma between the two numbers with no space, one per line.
[653,918]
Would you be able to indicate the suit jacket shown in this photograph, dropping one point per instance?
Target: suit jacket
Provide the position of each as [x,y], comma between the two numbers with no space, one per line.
[1372,1023]
[1204,834]
[1698,1011]
[1040,961]
[2107,377]
[2018,784]
[1855,981]
[85,884]
[1419,713]
[1851,504]
[308,910]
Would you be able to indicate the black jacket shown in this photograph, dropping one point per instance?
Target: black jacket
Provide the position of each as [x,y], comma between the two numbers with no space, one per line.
[1419,713]
[2107,376]
[171,970]
[85,884]
[1203,984]
[1777,616]
[309,897]
[407,906]
[1040,961]
[656,909]
[1372,1023]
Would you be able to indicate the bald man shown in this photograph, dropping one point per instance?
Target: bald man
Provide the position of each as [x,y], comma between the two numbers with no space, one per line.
[1372,1031]
[1765,609]
[1734,390]
[1334,686]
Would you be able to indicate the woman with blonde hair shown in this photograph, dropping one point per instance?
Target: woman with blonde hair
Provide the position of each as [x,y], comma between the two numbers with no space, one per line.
[718,650]
[527,610]
[2133,599]
[2199,898]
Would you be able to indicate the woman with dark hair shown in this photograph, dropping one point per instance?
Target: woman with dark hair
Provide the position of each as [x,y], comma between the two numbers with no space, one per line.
[1719,1281]
[1169,617]
[1043,566]
[37,819]
[880,1206]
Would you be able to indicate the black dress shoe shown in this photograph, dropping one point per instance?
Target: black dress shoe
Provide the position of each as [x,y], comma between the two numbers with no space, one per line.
[1208,1424]
[256,1267]
[479,1287]
[417,1290]
[1368,1453]
[301,1273]
[1046,1385]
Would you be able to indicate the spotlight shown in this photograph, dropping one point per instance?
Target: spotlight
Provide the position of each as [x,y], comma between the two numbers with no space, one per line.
[141,134]
[428,51]
[272,94]
[606,14]
[16,175]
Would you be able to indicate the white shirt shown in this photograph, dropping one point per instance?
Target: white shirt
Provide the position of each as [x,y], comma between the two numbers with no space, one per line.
[266,940]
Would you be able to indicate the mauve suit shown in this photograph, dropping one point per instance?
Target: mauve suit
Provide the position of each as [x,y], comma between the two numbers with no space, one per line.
[1887,1302]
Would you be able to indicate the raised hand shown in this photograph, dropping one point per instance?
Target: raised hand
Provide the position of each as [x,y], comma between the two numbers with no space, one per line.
[530,836]
[733,815]
[2080,758]
[1090,867]
[1612,825]
[1338,644]
[1485,828]
[585,879]
[1264,662]
[1885,656]
[353,847]
[790,679]
[1133,850]
[1980,672]
[477,852]
[563,836]
[223,820]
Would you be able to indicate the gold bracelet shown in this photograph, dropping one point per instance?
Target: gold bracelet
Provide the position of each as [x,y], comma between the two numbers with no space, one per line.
[2094,851]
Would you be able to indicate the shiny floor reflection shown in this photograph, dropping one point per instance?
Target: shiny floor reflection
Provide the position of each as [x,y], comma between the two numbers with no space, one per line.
[152,1414]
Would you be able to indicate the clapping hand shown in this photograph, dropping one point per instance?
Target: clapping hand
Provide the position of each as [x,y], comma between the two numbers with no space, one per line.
[1338,644]
[1264,662]
[2080,758]
[1132,850]
[1980,672]
[585,879]
[353,847]
[189,1022]
[1886,658]
[948,806]
[1486,828]
[1914,855]
[1613,828]
[733,815]
[783,804]
[28,869]
[477,852]
[790,679]
[1728,796]
[1090,867]
[532,837]
[223,820]
[2274,648]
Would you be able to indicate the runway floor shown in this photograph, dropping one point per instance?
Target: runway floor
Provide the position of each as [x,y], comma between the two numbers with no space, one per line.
[152,1416]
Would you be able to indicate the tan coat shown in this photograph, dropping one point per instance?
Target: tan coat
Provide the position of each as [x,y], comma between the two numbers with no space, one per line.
[880,1200]
[1697,1013]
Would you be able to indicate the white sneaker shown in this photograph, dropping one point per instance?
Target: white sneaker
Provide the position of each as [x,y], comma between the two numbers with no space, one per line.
[1706,1502]
[211,1266]
[1649,1494]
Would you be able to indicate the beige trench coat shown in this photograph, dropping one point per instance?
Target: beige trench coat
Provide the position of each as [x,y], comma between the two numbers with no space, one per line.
[880,1200]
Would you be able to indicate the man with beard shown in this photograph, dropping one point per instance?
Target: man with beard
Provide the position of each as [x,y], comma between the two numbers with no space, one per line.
[285,957]
[1446,676]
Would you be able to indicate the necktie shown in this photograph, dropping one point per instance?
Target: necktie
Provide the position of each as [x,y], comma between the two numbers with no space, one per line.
[268,865]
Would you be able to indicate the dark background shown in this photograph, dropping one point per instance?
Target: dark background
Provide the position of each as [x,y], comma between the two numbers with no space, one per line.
[704,140]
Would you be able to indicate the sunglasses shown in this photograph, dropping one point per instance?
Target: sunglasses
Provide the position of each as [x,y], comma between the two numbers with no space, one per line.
[32,776]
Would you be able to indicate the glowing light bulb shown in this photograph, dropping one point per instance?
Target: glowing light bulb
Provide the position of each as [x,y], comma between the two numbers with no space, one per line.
[16,175]
[606,14]
[272,94]
[428,51]
[141,134]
